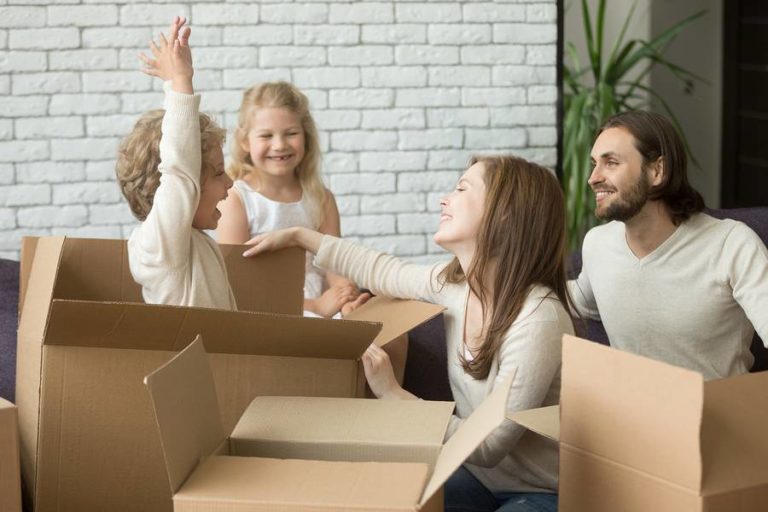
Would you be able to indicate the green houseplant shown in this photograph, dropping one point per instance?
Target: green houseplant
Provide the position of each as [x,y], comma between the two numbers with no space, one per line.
[600,89]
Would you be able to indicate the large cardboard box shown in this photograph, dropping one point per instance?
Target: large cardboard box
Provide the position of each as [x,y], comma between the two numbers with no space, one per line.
[308,454]
[10,480]
[638,435]
[88,438]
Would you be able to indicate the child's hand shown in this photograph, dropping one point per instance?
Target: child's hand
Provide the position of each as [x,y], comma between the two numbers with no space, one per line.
[332,300]
[173,58]
[379,373]
[354,304]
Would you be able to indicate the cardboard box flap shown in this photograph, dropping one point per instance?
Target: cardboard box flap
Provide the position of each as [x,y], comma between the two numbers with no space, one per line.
[98,270]
[26,257]
[398,316]
[40,282]
[183,397]
[544,420]
[281,272]
[472,432]
[733,443]
[348,420]
[632,410]
[154,327]
[290,484]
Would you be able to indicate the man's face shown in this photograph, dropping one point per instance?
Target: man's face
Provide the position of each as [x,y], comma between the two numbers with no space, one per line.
[620,183]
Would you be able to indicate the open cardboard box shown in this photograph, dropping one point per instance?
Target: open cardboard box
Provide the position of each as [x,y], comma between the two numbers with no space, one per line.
[86,340]
[302,454]
[641,435]
[10,479]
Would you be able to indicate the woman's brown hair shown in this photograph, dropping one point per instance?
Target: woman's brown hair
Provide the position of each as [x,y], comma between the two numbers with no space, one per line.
[521,243]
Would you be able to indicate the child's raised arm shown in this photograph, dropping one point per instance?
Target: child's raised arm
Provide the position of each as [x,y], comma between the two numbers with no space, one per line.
[172,57]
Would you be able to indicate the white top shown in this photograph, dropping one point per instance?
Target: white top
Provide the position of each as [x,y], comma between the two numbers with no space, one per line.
[173,262]
[266,215]
[511,458]
[692,302]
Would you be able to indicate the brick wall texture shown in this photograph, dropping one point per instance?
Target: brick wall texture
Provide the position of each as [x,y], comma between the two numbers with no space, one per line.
[403,92]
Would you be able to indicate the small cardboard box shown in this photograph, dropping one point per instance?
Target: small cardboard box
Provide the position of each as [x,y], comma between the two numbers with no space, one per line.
[86,340]
[10,479]
[639,435]
[308,454]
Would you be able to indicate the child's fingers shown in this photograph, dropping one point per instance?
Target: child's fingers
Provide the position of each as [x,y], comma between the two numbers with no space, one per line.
[163,41]
[184,36]
[149,71]
[153,46]
[146,60]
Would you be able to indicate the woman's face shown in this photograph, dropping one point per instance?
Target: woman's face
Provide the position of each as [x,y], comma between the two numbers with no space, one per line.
[462,211]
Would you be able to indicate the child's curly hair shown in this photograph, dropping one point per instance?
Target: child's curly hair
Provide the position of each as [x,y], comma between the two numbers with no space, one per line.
[139,156]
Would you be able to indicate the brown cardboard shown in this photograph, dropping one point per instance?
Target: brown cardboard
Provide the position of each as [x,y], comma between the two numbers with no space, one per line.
[370,471]
[638,434]
[10,479]
[88,439]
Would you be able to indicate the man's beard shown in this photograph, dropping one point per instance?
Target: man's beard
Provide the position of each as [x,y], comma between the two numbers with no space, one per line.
[626,205]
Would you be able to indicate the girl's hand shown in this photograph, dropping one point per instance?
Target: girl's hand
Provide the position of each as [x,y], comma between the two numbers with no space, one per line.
[332,300]
[354,304]
[379,374]
[172,57]
[272,241]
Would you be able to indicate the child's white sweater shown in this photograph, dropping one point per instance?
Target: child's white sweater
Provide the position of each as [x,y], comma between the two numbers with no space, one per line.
[173,262]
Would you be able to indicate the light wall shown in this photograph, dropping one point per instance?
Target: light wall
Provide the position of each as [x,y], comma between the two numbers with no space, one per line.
[403,92]
[698,48]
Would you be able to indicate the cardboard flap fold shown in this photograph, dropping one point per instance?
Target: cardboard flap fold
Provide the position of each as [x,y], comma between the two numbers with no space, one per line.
[473,431]
[41,281]
[613,403]
[281,272]
[345,421]
[154,327]
[183,397]
[26,257]
[544,421]
[399,316]
[733,443]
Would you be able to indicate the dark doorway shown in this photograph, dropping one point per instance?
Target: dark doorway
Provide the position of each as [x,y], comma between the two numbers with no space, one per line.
[745,103]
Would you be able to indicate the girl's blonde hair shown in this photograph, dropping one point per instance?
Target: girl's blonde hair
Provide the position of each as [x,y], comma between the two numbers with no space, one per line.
[287,96]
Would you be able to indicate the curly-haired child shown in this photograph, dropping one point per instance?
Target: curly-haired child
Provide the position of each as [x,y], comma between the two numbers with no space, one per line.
[171,171]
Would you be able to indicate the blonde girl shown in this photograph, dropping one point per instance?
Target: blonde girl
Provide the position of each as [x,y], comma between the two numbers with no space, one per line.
[506,309]
[276,172]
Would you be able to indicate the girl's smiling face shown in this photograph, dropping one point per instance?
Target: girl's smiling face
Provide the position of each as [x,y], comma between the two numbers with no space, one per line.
[275,141]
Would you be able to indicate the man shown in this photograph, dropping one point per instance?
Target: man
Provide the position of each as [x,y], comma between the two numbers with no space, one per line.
[668,281]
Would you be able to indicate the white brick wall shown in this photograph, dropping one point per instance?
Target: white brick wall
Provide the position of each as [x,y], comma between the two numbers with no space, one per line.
[402,91]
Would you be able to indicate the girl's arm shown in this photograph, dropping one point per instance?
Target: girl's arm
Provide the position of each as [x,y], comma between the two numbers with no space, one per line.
[233,226]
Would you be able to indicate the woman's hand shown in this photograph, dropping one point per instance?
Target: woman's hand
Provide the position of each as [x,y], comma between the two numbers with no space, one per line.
[381,377]
[271,241]
[290,237]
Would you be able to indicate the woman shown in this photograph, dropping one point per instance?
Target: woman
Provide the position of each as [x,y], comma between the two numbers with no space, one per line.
[506,308]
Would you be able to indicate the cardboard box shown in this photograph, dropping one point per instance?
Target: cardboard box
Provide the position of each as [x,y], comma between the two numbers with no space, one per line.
[88,437]
[638,435]
[10,479]
[302,454]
